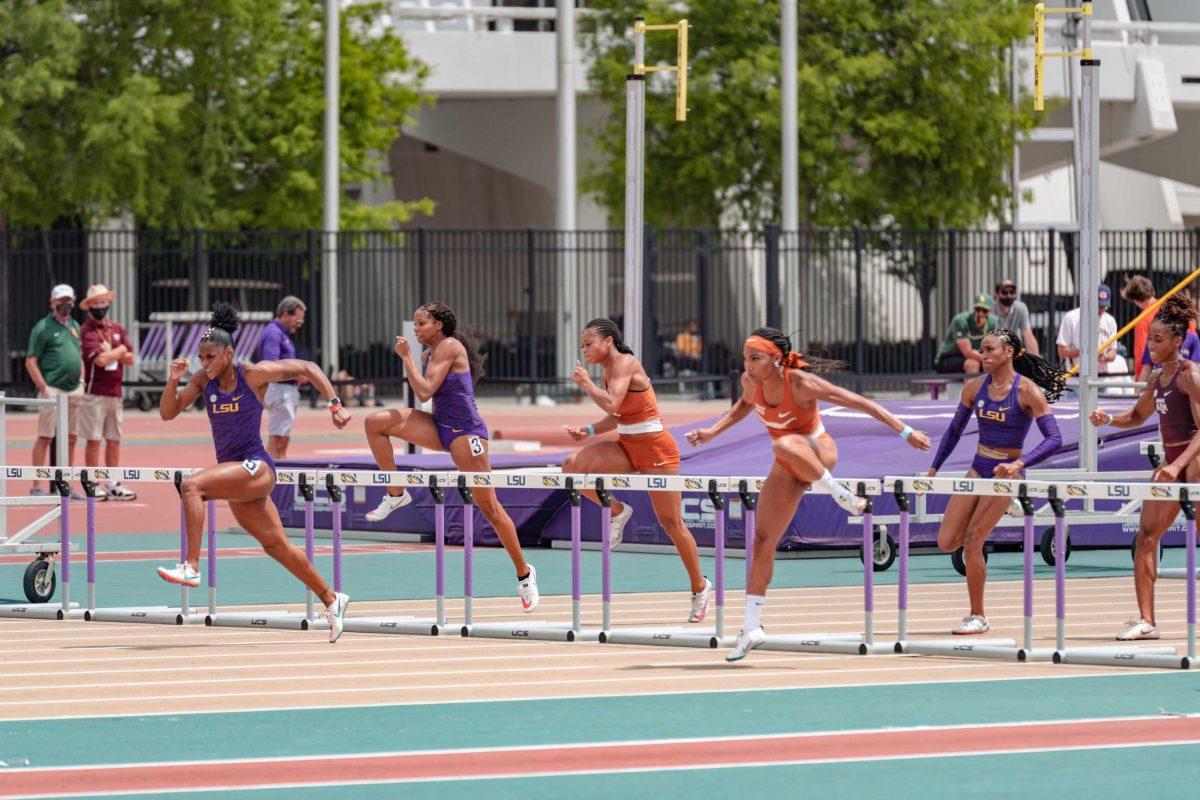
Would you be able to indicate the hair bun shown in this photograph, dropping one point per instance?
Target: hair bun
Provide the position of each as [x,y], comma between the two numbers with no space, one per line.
[224,316]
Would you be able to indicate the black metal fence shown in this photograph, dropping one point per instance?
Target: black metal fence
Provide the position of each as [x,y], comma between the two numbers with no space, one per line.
[878,299]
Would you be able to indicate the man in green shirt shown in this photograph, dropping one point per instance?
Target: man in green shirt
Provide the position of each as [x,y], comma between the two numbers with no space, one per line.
[54,362]
[960,349]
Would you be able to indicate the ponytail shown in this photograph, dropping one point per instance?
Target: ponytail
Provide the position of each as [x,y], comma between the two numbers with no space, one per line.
[793,360]
[1049,378]
[445,315]
[221,325]
[605,328]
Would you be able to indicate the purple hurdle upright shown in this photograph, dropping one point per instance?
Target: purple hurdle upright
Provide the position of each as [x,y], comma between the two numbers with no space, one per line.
[335,492]
[439,551]
[902,582]
[574,499]
[605,559]
[1191,593]
[750,516]
[718,502]
[212,556]
[89,489]
[310,551]
[468,498]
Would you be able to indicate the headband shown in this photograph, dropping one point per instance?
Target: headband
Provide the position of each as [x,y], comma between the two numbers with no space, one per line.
[791,360]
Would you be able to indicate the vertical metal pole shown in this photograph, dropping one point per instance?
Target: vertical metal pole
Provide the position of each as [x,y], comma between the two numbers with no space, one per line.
[605,569]
[62,447]
[439,558]
[337,543]
[468,511]
[902,589]
[1191,591]
[3,460]
[789,127]
[91,553]
[869,577]
[566,318]
[310,554]
[1060,584]
[719,556]
[331,185]
[751,521]
[1027,549]
[212,557]
[576,578]
[531,331]
[64,541]
[1089,251]
[1052,328]
[858,301]
[184,603]
[772,243]
[635,142]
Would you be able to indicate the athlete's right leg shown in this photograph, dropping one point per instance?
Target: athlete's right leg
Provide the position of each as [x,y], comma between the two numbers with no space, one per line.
[409,424]
[229,480]
[1155,519]
[601,457]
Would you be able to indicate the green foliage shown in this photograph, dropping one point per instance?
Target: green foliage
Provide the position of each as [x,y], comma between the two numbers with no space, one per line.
[184,114]
[904,111]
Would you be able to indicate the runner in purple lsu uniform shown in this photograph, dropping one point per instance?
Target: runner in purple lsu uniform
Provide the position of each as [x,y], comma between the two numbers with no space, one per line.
[245,474]
[451,365]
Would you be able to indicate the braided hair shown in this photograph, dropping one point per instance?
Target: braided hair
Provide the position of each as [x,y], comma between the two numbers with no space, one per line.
[445,315]
[1045,375]
[811,363]
[605,328]
[221,325]
[1177,313]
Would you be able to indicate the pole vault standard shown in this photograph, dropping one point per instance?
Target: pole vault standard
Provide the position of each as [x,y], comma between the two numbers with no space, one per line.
[1089,205]
[635,152]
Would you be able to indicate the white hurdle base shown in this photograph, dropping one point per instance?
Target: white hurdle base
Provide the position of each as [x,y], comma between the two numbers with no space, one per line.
[407,626]
[521,629]
[998,649]
[1153,656]
[1176,573]
[278,620]
[153,615]
[41,611]
[662,637]
[838,643]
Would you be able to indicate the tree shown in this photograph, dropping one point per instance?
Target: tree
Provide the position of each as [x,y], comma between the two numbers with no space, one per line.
[904,111]
[183,114]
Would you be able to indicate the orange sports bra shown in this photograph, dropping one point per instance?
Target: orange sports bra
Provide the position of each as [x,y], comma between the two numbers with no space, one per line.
[638,406]
[788,416]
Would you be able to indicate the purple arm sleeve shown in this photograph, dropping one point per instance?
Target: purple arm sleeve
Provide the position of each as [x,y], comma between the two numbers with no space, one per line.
[953,434]
[1050,443]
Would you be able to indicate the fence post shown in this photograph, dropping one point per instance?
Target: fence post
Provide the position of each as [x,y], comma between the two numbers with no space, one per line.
[6,312]
[316,319]
[774,311]
[422,266]
[531,312]
[1052,326]
[1149,246]
[926,314]
[702,287]
[650,358]
[858,300]
[198,297]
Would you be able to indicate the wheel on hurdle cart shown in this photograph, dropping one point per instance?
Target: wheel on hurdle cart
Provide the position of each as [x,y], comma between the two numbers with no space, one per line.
[884,551]
[1046,547]
[40,580]
[1162,549]
[960,564]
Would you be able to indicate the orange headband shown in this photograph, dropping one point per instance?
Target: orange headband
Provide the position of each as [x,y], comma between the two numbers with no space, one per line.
[791,360]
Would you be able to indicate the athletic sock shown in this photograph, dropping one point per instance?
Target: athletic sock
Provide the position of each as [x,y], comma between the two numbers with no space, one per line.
[754,609]
[521,578]
[835,488]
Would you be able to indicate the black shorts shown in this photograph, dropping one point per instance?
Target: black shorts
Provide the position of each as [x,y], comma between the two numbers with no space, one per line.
[951,364]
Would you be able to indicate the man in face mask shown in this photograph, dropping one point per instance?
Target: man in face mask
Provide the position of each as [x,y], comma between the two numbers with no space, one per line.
[1012,314]
[55,365]
[106,352]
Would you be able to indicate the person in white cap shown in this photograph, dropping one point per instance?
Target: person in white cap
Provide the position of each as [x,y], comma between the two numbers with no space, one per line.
[106,352]
[55,365]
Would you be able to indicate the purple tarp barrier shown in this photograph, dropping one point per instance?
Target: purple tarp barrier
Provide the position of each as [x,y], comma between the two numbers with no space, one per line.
[867,449]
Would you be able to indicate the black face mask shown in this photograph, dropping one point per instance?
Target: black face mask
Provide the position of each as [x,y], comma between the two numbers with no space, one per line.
[1007,300]
[63,309]
[98,313]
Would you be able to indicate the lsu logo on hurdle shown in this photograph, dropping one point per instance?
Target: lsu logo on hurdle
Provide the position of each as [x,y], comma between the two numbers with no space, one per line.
[481,480]
[621,483]
[100,474]
[656,483]
[1117,490]
[1003,487]
[963,486]
[1160,491]
[413,479]
[514,480]
[12,472]
[131,474]
[693,483]
[759,484]
[283,476]
[348,478]
[1077,490]
[162,475]
[381,478]
[921,486]
[551,482]
[43,473]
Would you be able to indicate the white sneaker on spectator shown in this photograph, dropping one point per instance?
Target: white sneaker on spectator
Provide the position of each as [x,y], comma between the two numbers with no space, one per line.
[745,642]
[616,526]
[387,505]
[182,574]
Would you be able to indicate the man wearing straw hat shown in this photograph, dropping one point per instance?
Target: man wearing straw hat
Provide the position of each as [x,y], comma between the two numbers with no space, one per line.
[106,352]
[53,363]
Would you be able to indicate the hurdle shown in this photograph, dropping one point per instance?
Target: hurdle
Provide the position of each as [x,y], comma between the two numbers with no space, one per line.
[1000,649]
[542,630]
[1154,452]
[65,608]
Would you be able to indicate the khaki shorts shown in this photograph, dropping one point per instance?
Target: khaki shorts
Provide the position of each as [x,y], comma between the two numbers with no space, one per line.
[47,415]
[101,417]
[282,401]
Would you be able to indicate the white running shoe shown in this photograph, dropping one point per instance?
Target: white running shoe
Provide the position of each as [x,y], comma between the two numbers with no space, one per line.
[336,614]
[700,602]
[852,503]
[386,506]
[972,625]
[118,492]
[746,641]
[182,574]
[1014,509]
[1139,630]
[616,526]
[528,591]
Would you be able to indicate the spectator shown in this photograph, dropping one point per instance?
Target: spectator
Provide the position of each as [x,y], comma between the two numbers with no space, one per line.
[1189,350]
[106,352]
[1069,335]
[1140,291]
[1013,315]
[960,349]
[55,365]
[282,399]
[689,347]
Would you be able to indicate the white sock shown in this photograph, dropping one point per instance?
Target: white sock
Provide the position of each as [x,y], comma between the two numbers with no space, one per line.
[835,488]
[754,609]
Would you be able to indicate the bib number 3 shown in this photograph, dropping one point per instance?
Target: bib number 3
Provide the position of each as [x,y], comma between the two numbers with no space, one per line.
[476,445]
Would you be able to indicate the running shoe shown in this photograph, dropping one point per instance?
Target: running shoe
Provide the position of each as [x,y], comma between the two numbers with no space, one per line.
[183,574]
[336,615]
[37,491]
[386,506]
[745,642]
[118,492]
[100,493]
[976,623]
[1139,630]
[700,602]
[528,591]
[852,503]
[616,526]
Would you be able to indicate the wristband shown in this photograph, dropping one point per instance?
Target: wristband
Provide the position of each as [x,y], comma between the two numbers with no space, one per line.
[591,429]
[335,404]
[907,432]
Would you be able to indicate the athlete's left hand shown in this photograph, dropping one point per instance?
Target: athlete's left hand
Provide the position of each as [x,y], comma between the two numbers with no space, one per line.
[341,417]
[403,348]
[1010,469]
[580,375]
[1167,473]
[918,441]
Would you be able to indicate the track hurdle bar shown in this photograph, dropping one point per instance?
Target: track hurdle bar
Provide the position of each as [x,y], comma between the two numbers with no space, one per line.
[185,614]
[1000,649]
[1152,655]
[518,629]
[64,609]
